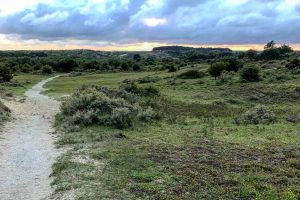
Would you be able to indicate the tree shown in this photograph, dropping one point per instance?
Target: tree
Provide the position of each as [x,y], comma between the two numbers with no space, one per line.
[91,65]
[216,68]
[66,65]
[125,66]
[233,64]
[137,57]
[285,49]
[47,69]
[270,45]
[252,54]
[250,73]
[5,73]
[270,54]
[136,67]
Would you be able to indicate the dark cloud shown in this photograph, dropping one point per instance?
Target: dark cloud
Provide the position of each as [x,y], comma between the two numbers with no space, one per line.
[188,21]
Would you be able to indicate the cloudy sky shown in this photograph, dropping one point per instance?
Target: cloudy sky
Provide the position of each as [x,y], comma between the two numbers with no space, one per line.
[142,24]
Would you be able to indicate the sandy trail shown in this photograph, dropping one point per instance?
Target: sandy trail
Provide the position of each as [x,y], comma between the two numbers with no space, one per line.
[27,151]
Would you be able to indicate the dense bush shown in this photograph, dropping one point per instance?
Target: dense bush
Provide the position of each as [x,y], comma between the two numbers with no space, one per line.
[250,73]
[134,88]
[5,73]
[216,68]
[252,54]
[103,106]
[270,54]
[172,68]
[66,65]
[94,65]
[285,49]
[47,69]
[233,64]
[191,74]
[257,115]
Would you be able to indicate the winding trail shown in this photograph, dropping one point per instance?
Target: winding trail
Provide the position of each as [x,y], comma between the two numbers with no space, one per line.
[27,151]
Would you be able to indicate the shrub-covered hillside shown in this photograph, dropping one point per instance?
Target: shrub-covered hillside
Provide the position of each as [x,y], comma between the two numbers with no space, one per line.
[187,134]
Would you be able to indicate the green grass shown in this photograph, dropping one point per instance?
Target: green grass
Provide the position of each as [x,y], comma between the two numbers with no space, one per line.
[196,151]
[65,85]
[26,81]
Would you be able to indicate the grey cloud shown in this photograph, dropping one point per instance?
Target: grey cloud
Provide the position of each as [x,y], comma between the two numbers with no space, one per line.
[189,21]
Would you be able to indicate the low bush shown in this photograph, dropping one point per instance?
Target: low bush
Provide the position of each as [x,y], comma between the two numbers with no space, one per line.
[134,88]
[257,115]
[250,73]
[103,106]
[147,115]
[191,74]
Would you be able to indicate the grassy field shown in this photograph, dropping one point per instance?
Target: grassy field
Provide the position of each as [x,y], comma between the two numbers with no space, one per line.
[21,83]
[197,151]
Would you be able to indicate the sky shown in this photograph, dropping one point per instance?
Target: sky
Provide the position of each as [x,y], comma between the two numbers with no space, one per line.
[143,24]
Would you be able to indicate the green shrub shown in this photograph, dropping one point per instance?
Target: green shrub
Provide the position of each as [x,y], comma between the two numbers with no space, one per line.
[191,74]
[270,54]
[250,73]
[103,106]
[216,68]
[233,64]
[172,68]
[132,87]
[147,115]
[121,118]
[5,73]
[257,115]
[47,69]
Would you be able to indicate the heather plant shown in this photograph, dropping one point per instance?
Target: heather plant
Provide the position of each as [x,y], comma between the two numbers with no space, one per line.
[99,105]
[257,115]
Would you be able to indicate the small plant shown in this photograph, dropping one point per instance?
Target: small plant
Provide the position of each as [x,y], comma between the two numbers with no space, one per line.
[121,118]
[147,115]
[250,73]
[191,74]
[257,115]
[47,69]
